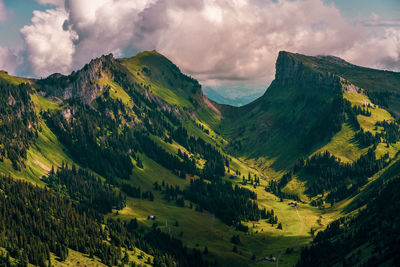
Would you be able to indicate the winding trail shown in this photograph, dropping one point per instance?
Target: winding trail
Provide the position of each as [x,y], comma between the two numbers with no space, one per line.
[297,240]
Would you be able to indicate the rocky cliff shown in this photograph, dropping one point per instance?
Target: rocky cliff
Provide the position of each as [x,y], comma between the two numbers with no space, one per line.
[293,69]
[81,85]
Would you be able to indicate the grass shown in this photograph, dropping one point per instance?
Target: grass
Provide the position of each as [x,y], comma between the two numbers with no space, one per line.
[152,172]
[343,145]
[116,91]
[200,229]
[196,229]
[297,187]
[161,82]
[46,152]
[43,104]
[76,258]
[11,79]
[377,113]
[266,153]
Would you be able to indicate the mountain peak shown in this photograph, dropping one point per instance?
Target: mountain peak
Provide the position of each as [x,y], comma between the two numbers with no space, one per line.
[151,65]
[79,84]
[286,66]
[300,69]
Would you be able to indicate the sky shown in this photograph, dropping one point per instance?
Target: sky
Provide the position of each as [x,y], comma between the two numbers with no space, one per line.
[222,43]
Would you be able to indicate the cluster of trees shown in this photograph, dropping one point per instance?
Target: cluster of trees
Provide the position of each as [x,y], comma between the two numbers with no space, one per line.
[90,191]
[253,181]
[108,134]
[351,114]
[390,134]
[271,217]
[358,110]
[391,131]
[380,98]
[167,250]
[202,128]
[376,225]
[327,124]
[165,159]
[366,138]
[106,146]
[18,128]
[136,192]
[94,141]
[276,187]
[37,221]
[172,193]
[231,204]
[215,162]
[330,174]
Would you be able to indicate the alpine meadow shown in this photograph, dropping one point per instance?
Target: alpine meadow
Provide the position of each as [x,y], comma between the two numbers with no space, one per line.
[126,162]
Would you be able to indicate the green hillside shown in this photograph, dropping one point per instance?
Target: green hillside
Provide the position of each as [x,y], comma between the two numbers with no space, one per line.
[164,79]
[135,166]
[380,86]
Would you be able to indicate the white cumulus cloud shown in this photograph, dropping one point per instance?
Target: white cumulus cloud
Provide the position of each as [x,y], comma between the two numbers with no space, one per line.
[8,60]
[49,47]
[217,41]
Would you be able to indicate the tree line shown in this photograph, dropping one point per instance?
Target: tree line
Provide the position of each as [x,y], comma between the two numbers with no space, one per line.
[376,225]
[39,221]
[331,174]
[19,123]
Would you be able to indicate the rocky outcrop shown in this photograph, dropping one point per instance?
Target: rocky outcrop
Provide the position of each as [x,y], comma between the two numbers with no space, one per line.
[80,85]
[290,69]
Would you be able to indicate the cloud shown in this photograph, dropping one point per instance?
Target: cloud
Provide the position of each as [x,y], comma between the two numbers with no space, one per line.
[8,60]
[49,48]
[3,12]
[382,52]
[104,26]
[376,21]
[220,42]
[51,2]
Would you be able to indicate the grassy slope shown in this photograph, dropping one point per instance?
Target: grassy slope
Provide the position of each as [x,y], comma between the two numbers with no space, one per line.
[46,151]
[343,144]
[296,231]
[11,79]
[116,92]
[76,258]
[372,80]
[267,148]
[268,129]
[202,229]
[196,225]
[162,78]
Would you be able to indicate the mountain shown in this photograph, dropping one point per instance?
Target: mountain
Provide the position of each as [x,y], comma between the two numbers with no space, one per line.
[295,108]
[127,162]
[303,111]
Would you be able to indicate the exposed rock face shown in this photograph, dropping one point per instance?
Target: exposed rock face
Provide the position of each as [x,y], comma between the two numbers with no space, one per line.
[290,70]
[80,85]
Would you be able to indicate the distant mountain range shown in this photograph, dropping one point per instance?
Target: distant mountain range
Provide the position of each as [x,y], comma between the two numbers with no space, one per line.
[235,98]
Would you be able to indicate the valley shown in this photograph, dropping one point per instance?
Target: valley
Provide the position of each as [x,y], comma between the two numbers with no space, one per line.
[190,182]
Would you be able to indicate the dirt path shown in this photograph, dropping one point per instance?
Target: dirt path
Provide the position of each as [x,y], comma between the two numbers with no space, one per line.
[297,240]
